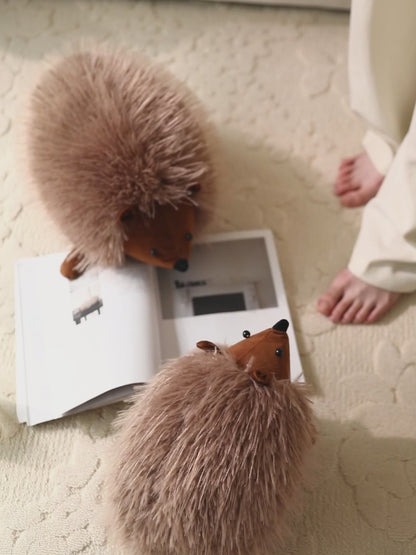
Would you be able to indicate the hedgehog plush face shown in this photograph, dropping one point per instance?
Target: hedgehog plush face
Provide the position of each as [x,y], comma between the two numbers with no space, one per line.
[164,240]
[263,355]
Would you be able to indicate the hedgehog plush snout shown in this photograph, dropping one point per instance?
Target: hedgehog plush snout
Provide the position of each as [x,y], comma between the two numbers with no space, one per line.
[181,265]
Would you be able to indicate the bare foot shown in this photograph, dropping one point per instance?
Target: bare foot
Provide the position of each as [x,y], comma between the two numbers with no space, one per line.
[357,181]
[350,300]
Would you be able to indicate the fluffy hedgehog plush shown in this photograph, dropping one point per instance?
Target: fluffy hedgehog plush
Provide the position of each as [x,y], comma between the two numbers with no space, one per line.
[119,151]
[212,456]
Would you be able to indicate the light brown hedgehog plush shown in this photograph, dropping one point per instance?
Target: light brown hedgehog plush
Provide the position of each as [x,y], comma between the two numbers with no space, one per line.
[119,151]
[211,458]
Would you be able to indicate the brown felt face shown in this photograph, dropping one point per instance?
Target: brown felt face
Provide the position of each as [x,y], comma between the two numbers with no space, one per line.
[164,240]
[264,354]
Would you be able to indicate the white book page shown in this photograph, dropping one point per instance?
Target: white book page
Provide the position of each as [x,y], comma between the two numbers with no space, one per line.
[82,338]
[233,283]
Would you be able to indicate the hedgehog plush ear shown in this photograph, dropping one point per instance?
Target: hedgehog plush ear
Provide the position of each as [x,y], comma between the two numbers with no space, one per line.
[208,346]
[263,378]
[281,325]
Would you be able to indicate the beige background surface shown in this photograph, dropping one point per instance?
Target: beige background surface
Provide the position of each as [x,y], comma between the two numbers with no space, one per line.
[274,81]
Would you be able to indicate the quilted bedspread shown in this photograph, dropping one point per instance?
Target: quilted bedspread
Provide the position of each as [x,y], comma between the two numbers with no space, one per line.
[274,82]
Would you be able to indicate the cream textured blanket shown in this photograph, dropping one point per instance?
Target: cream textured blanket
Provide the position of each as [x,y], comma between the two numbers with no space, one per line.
[275,82]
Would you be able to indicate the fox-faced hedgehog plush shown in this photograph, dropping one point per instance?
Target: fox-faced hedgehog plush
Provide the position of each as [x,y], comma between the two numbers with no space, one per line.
[212,456]
[120,152]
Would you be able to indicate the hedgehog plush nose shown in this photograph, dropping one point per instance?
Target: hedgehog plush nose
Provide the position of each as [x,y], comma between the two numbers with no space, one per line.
[181,265]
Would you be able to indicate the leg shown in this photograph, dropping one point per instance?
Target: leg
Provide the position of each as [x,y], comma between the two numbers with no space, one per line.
[352,300]
[381,62]
[382,55]
[69,266]
[382,87]
[360,177]
[358,180]
[383,262]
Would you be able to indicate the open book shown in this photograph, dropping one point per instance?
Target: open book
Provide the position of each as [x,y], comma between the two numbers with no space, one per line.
[86,343]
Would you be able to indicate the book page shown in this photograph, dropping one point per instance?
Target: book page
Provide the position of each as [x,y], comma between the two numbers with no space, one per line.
[81,338]
[233,283]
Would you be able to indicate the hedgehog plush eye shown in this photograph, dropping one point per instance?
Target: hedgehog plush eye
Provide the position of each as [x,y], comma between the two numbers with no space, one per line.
[193,189]
[278,352]
[126,215]
[188,236]
[246,334]
[153,252]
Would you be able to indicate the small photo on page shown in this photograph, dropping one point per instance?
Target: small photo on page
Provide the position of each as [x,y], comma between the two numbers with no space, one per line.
[86,299]
[223,276]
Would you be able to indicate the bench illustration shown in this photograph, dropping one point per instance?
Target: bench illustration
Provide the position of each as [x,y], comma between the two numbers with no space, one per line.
[92,305]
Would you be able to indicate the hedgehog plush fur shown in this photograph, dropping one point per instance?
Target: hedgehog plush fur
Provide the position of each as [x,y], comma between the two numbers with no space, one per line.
[112,139]
[212,457]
